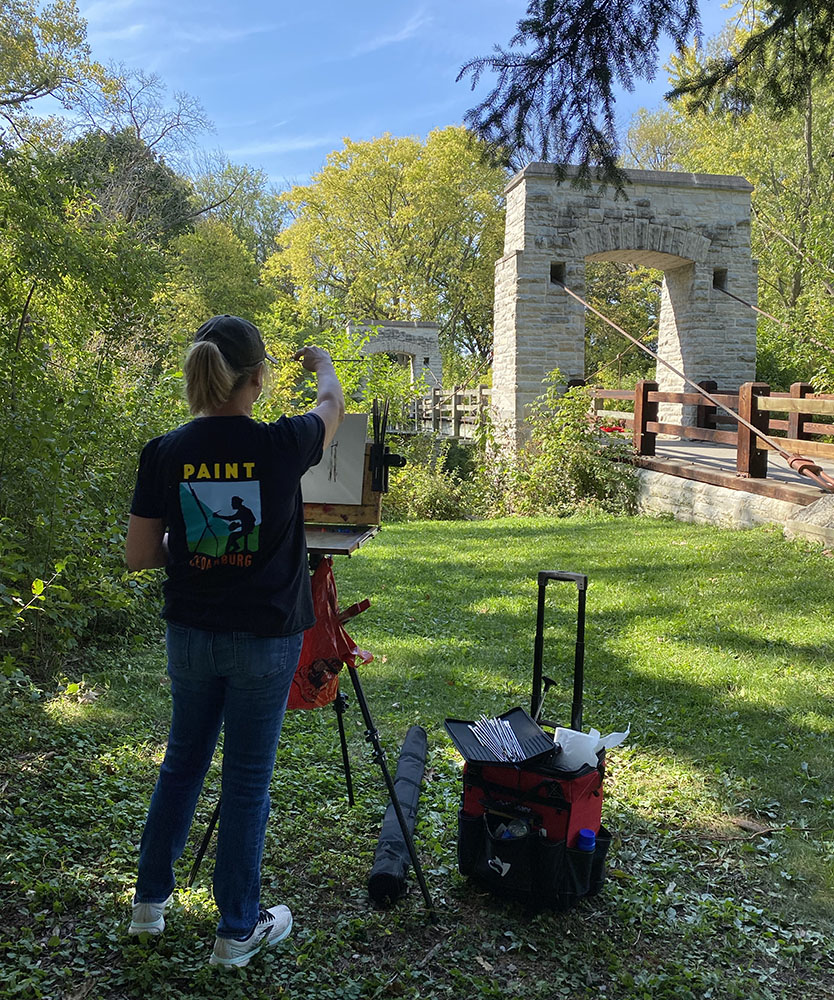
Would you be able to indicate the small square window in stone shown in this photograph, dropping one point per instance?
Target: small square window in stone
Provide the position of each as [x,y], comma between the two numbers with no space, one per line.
[557,273]
[719,278]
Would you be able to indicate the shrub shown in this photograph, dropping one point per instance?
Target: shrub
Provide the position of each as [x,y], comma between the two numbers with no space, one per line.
[427,489]
[569,461]
[72,443]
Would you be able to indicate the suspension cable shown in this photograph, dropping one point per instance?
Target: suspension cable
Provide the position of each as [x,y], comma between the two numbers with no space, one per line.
[478,370]
[795,461]
[813,340]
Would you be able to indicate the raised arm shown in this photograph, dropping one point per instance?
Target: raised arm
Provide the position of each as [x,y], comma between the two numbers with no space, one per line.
[330,401]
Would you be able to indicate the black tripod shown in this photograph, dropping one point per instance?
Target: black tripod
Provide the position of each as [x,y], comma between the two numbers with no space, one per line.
[379,757]
[372,736]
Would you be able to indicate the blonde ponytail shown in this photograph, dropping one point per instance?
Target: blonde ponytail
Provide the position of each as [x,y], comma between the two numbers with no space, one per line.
[210,381]
[209,378]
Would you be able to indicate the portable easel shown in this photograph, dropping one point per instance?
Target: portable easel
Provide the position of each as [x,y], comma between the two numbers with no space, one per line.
[341,528]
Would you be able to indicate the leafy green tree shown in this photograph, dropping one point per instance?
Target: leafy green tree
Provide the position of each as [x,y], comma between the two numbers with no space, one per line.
[211,272]
[128,181]
[44,52]
[73,287]
[77,278]
[655,140]
[55,248]
[399,229]
[244,199]
[779,52]
[553,96]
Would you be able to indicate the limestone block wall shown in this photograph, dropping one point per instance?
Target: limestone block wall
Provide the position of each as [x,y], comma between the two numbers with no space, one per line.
[693,227]
[703,503]
[505,364]
[417,340]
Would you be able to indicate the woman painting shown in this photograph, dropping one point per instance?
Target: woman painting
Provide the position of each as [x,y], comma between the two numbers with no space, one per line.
[235,614]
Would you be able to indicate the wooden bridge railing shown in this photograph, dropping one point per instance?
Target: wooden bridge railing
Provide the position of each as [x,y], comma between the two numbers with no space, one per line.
[800,419]
[788,417]
[448,412]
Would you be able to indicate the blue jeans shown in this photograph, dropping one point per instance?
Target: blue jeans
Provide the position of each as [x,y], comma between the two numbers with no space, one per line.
[240,681]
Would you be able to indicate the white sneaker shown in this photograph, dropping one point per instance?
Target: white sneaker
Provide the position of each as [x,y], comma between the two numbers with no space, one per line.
[149,918]
[273,926]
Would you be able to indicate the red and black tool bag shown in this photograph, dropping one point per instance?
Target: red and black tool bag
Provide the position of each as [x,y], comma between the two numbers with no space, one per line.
[544,867]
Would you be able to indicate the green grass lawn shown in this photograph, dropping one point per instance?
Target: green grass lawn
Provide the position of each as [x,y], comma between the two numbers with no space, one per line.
[714,645]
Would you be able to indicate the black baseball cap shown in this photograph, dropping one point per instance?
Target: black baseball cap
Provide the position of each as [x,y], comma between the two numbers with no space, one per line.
[240,341]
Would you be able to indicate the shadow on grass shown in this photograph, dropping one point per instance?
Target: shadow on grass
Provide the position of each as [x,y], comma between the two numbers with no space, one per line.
[670,607]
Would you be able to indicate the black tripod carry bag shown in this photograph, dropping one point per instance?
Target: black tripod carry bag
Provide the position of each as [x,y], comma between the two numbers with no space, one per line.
[519,824]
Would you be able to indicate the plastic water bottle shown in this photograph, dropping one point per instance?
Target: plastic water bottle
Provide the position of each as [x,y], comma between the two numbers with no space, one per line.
[587,840]
[516,828]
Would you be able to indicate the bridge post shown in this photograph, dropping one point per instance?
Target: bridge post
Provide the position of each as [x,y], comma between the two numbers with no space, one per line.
[751,460]
[796,421]
[435,409]
[706,412]
[455,412]
[482,402]
[644,411]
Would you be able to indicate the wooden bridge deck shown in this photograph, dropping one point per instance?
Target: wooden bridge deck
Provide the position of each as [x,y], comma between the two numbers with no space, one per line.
[723,458]
[716,463]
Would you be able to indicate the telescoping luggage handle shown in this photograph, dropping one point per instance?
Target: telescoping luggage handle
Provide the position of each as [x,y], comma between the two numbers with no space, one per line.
[581,581]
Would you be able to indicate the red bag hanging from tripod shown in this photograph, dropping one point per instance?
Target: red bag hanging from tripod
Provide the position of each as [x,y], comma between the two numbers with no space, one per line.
[327,646]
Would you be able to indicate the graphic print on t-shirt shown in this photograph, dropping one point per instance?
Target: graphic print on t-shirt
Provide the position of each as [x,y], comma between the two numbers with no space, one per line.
[222,520]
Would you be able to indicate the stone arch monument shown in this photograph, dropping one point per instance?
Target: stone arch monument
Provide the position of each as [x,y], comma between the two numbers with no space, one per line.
[415,345]
[693,227]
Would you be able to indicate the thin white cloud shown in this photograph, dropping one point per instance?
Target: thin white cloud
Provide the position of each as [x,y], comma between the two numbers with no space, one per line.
[409,29]
[225,124]
[103,10]
[289,144]
[104,23]
[116,34]
[208,35]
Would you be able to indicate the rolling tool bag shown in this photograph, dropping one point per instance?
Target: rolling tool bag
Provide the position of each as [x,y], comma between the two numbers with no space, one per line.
[519,825]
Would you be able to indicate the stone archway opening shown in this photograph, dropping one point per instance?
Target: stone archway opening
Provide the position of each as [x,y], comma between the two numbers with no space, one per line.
[413,345]
[404,360]
[630,295]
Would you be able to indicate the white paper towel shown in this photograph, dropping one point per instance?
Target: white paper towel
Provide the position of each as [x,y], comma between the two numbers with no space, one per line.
[579,749]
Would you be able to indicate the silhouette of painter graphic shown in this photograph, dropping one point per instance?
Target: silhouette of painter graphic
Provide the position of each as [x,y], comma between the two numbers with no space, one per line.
[241,525]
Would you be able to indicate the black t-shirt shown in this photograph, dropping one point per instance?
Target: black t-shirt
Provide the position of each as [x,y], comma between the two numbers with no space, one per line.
[228,490]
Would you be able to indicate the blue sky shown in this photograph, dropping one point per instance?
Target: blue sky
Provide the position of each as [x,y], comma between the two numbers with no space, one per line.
[284,83]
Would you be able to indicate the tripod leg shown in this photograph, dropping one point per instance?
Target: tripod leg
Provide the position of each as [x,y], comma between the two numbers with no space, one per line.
[339,705]
[204,845]
[372,736]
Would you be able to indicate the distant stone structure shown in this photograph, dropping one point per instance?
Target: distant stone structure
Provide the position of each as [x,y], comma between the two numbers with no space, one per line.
[693,227]
[412,344]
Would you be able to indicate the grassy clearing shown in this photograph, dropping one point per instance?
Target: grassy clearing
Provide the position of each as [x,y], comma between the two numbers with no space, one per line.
[715,645]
